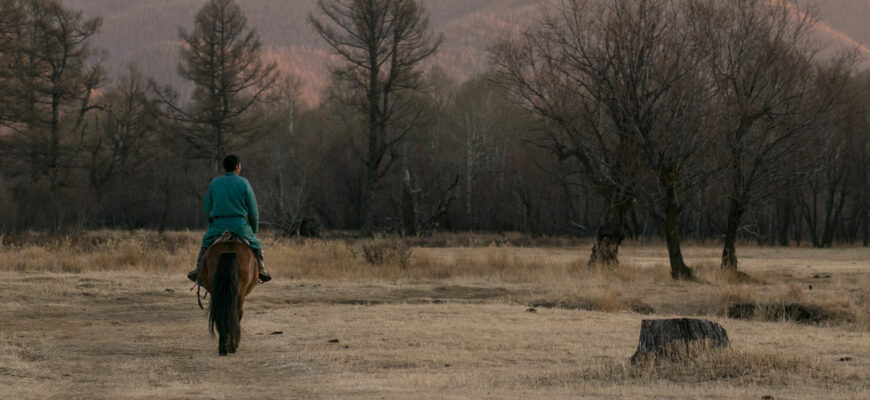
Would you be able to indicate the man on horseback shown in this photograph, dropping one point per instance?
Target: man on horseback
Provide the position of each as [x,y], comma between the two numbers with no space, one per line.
[230,205]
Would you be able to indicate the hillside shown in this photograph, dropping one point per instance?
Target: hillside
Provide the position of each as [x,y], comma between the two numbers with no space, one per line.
[146,32]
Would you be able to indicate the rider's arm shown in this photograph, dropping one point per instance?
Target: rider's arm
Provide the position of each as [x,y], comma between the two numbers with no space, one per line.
[253,212]
[207,204]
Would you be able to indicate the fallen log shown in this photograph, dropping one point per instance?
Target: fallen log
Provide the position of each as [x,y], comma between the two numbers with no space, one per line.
[665,338]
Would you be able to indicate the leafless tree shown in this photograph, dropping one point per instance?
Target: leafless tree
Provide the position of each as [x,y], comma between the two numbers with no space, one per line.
[551,68]
[381,44]
[223,59]
[295,156]
[832,184]
[478,117]
[773,92]
[122,135]
[50,86]
[11,22]
[620,82]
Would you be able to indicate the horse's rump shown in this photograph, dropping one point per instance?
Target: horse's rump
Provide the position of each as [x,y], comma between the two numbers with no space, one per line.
[229,242]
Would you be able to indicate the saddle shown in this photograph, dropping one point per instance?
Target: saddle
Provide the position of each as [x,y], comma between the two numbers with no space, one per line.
[226,237]
[229,236]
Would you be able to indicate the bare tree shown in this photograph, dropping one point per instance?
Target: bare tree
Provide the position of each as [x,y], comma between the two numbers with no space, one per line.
[223,60]
[122,136]
[828,190]
[11,22]
[659,100]
[477,117]
[49,85]
[295,157]
[771,92]
[551,69]
[381,44]
[620,82]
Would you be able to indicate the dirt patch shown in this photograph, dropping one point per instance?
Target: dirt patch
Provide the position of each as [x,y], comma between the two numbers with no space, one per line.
[592,304]
[470,292]
[377,295]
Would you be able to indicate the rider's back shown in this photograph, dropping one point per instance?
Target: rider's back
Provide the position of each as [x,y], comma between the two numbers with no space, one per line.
[231,195]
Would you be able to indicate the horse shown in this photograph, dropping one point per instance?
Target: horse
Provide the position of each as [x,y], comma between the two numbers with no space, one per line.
[229,274]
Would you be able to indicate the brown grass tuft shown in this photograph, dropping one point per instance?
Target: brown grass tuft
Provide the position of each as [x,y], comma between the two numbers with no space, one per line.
[18,356]
[736,367]
[595,299]
[385,251]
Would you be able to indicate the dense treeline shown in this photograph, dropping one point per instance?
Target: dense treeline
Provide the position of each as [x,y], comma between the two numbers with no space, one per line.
[707,120]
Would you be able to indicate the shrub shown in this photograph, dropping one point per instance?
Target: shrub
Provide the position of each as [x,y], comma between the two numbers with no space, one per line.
[384,251]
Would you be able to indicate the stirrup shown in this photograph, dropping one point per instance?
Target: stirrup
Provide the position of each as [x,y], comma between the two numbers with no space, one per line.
[264,276]
[193,275]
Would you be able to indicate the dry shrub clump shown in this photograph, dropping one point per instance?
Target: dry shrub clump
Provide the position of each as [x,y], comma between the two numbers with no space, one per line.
[386,251]
[789,302]
[616,288]
[713,273]
[311,259]
[340,259]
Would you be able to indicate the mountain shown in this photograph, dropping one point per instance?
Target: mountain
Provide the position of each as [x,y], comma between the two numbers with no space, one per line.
[146,32]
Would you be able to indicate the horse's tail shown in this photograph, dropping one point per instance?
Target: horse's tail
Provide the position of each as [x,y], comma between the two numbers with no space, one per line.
[223,310]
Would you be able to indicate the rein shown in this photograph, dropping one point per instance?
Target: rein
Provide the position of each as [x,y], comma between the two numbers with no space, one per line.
[199,298]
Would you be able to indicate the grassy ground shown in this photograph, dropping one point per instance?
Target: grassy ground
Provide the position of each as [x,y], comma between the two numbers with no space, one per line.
[109,315]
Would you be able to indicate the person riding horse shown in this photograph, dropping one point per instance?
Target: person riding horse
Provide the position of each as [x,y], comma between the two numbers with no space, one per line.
[230,206]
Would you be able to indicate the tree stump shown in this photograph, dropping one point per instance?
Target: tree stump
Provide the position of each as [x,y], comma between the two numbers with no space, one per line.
[669,337]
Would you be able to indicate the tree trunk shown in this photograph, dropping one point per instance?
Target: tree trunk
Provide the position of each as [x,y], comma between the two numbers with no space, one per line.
[469,181]
[798,223]
[54,145]
[679,270]
[373,159]
[409,206]
[611,233]
[833,215]
[676,337]
[866,228]
[784,222]
[867,234]
[368,205]
[167,197]
[729,251]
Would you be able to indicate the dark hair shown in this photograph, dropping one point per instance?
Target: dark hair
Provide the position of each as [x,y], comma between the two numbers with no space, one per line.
[230,162]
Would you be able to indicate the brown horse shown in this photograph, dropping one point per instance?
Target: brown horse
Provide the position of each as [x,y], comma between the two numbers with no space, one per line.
[229,273]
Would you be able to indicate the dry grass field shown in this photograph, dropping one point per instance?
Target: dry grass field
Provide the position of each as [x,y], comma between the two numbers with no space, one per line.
[108,315]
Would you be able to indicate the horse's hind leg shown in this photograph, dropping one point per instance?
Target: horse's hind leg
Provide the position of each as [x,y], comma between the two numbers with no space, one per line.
[241,307]
[235,345]
[223,345]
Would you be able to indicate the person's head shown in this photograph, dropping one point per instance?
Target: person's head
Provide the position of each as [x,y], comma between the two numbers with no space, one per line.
[232,163]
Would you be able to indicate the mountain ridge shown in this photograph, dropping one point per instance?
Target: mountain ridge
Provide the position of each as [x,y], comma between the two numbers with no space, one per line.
[146,33]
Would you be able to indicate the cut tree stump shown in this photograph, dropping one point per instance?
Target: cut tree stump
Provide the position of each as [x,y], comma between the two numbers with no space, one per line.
[669,337]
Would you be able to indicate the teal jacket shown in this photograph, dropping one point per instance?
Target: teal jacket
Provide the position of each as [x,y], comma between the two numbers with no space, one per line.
[230,205]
